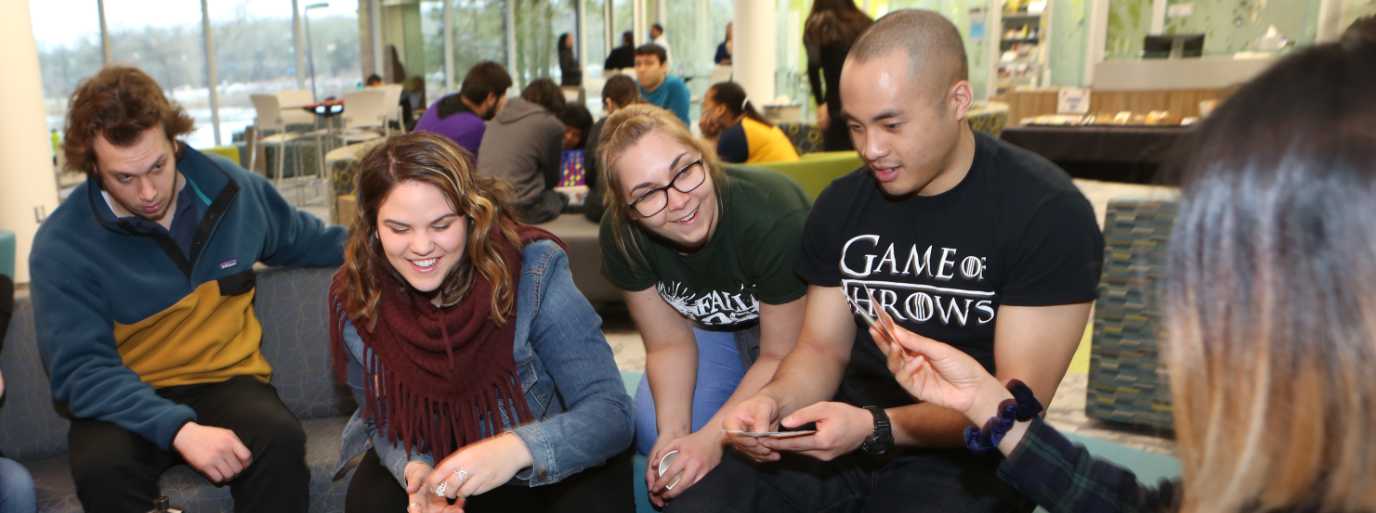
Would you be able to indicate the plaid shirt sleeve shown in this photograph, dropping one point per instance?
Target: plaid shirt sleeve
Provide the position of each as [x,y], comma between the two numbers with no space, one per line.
[1064,478]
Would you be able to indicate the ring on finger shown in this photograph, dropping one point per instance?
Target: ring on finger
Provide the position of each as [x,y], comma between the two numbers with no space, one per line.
[442,489]
[460,476]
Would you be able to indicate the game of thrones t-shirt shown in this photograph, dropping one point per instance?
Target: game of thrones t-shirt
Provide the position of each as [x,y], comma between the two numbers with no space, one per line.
[751,257]
[1015,231]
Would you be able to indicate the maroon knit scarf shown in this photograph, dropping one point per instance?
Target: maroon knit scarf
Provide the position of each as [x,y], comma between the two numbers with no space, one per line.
[436,376]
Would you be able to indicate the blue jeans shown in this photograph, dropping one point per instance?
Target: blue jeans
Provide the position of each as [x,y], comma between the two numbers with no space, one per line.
[16,488]
[720,368]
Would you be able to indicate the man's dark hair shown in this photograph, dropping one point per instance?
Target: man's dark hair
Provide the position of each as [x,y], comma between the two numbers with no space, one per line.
[577,116]
[117,103]
[621,90]
[373,79]
[653,49]
[483,79]
[657,26]
[627,38]
[545,93]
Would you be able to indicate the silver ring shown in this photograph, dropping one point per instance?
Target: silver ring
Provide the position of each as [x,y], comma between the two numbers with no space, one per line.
[460,476]
[443,487]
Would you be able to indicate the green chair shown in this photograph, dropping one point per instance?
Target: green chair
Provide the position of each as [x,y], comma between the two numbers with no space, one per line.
[815,171]
[7,245]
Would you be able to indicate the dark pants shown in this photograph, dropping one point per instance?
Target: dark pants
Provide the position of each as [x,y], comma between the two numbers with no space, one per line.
[117,471]
[938,481]
[603,489]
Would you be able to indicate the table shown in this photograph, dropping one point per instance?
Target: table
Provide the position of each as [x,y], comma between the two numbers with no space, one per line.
[1111,153]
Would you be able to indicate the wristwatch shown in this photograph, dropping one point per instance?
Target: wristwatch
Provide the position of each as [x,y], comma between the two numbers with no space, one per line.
[880,442]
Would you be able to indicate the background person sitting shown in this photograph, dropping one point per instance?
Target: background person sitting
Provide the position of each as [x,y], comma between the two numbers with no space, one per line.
[524,145]
[657,86]
[741,134]
[463,116]
[623,56]
[619,92]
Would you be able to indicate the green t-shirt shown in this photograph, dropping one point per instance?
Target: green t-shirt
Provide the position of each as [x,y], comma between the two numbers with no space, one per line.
[750,258]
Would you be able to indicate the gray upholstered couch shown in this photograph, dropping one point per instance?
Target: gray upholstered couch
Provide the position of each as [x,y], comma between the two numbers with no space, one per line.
[291,305]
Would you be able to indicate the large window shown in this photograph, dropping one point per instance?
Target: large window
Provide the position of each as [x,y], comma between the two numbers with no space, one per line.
[332,42]
[69,49]
[538,23]
[170,48]
[255,53]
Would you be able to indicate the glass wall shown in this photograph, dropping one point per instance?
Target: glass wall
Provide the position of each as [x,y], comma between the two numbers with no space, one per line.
[69,48]
[255,53]
[538,22]
[332,42]
[170,48]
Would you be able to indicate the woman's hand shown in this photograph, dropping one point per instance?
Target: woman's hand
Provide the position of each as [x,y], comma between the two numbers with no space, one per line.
[479,467]
[698,454]
[421,499]
[936,373]
[823,117]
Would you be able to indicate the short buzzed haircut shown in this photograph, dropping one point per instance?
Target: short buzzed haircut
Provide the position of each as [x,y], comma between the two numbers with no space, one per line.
[932,42]
[653,49]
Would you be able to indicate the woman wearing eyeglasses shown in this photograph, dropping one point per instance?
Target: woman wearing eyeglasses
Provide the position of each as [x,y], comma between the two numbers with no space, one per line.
[705,256]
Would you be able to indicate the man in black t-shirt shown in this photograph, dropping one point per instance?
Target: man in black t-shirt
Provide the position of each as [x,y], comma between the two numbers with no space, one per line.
[958,237]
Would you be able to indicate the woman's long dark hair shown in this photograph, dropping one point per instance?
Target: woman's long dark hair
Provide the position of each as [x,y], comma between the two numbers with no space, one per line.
[732,96]
[1271,291]
[834,22]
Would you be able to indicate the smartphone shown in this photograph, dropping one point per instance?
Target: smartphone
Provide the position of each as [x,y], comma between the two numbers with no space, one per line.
[803,430]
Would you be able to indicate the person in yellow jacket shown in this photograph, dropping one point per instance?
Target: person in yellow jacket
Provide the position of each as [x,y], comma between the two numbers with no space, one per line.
[741,134]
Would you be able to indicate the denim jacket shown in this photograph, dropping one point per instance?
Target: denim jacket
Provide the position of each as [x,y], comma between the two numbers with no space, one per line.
[581,410]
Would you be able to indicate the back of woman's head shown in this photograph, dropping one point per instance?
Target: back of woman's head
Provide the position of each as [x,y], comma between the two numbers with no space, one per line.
[622,130]
[545,93]
[1271,291]
[482,201]
[834,22]
[732,96]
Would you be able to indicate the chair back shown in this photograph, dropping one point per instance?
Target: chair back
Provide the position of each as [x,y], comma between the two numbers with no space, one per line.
[366,109]
[720,73]
[291,101]
[269,112]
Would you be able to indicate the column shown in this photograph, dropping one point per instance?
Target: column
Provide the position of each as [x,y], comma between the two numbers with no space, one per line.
[754,57]
[28,189]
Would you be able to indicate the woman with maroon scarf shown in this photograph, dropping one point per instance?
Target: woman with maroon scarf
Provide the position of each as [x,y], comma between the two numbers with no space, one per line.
[482,375]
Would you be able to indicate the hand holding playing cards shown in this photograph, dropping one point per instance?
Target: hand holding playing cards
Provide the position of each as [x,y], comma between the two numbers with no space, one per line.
[935,372]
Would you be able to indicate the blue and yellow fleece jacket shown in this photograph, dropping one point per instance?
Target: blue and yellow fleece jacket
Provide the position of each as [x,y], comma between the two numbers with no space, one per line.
[121,311]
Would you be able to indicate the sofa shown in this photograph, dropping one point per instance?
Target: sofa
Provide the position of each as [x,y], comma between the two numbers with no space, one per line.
[291,306]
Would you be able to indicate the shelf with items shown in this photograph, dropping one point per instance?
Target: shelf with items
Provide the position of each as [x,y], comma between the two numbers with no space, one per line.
[1024,31]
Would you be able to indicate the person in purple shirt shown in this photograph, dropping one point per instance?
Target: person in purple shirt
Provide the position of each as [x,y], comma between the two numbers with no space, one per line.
[462,117]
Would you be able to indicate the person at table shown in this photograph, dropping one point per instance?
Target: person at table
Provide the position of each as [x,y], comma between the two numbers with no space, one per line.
[723,56]
[143,287]
[621,57]
[830,29]
[957,236]
[705,255]
[17,494]
[741,134]
[523,145]
[479,369]
[1270,285]
[657,85]
[463,116]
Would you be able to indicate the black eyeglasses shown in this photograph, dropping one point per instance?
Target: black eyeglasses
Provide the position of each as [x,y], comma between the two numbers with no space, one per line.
[685,180]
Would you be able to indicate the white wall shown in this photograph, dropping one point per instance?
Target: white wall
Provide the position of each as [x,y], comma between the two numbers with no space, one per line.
[28,188]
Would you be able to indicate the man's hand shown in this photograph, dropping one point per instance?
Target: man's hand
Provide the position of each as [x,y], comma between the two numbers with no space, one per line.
[758,413]
[841,428]
[479,467]
[698,454]
[421,499]
[215,452]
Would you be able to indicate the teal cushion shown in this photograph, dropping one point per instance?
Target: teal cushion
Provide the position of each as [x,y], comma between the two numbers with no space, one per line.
[7,253]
